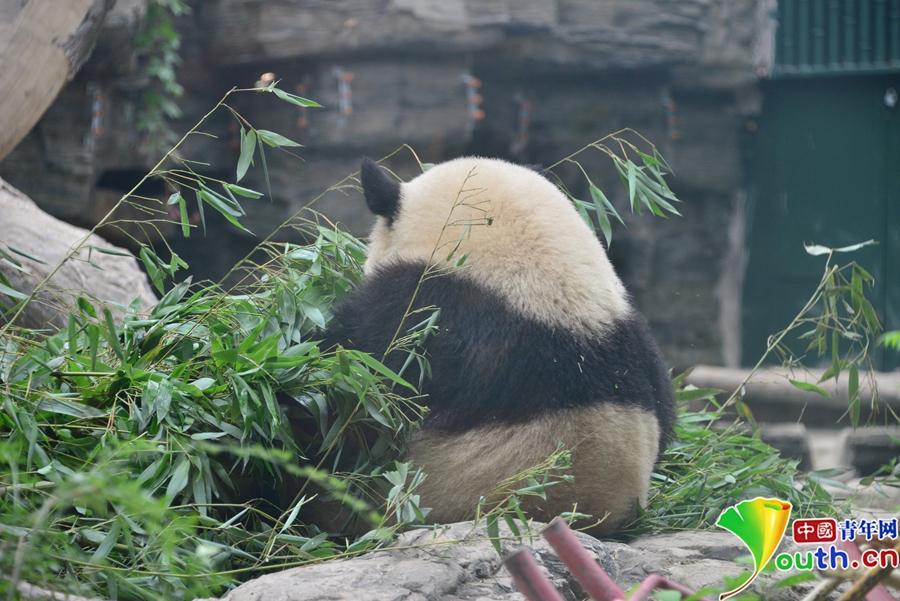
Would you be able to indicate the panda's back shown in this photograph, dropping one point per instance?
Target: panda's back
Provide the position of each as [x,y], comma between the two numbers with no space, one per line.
[536,345]
[490,363]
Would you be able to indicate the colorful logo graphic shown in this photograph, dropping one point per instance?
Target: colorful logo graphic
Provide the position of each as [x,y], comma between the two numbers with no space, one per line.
[823,530]
[760,523]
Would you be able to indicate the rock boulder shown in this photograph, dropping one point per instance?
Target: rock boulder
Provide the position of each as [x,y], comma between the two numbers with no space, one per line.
[24,227]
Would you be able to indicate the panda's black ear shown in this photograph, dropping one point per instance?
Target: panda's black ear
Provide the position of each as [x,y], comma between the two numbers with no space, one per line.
[382,192]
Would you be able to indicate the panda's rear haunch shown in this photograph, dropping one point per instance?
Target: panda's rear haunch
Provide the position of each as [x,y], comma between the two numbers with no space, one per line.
[537,341]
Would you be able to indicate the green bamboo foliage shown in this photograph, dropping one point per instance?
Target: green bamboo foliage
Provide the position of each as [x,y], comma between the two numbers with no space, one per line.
[644,181]
[153,456]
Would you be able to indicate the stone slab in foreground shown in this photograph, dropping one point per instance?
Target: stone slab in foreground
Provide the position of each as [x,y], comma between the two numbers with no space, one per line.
[460,563]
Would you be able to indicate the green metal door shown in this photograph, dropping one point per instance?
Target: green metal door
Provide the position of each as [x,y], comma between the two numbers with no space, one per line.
[823,167]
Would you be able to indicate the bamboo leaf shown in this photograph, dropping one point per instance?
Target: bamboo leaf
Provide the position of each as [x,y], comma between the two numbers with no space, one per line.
[378,367]
[872,322]
[179,479]
[296,100]
[199,491]
[15,265]
[223,206]
[9,258]
[744,411]
[171,298]
[12,293]
[248,147]
[853,394]
[183,215]
[817,249]
[107,545]
[230,204]
[646,197]
[86,307]
[63,406]
[200,210]
[511,522]
[26,255]
[273,139]
[112,336]
[632,177]
[865,275]
[314,542]
[293,516]
[163,399]
[149,259]
[653,196]
[605,226]
[493,532]
[692,393]
[852,247]
[890,339]
[93,331]
[313,313]
[835,351]
[112,251]
[241,191]
[580,207]
[649,160]
[598,195]
[810,388]
[601,209]
[208,435]
[833,371]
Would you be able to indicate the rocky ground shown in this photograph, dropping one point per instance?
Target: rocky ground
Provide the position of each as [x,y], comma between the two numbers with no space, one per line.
[460,563]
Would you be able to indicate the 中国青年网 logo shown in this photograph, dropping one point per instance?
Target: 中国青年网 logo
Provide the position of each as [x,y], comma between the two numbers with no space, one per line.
[761,523]
[830,554]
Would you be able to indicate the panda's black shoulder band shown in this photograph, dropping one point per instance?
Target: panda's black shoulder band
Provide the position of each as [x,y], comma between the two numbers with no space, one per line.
[382,192]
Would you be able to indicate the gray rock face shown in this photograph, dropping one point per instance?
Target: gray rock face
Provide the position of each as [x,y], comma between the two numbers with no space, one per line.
[25,227]
[722,43]
[460,563]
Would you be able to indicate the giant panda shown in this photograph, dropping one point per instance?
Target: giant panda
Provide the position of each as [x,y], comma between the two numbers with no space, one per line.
[537,343]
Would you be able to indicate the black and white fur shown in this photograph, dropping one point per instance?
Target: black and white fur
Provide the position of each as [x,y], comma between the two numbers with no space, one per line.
[538,343]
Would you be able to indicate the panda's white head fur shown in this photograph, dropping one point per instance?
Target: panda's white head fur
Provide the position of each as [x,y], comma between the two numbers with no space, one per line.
[521,236]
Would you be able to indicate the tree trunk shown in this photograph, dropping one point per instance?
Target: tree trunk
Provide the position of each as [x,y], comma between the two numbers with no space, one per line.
[42,46]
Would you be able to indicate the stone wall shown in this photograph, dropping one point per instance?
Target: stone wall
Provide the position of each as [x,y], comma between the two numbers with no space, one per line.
[681,73]
[720,43]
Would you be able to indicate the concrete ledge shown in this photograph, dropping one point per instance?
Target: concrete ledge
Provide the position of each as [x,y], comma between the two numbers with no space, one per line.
[867,450]
[772,398]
